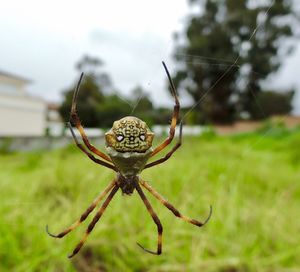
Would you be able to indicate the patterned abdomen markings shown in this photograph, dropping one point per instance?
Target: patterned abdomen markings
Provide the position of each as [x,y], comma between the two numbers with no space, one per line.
[129,134]
[134,135]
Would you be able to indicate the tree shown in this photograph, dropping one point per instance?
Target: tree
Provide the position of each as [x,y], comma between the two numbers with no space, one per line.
[113,108]
[90,95]
[142,106]
[88,101]
[98,104]
[92,66]
[238,45]
[273,103]
[140,100]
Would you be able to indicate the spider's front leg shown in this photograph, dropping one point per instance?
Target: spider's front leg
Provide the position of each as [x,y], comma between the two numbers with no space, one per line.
[172,128]
[170,153]
[76,121]
[174,116]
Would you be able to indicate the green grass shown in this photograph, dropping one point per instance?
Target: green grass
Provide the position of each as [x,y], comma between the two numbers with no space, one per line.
[251,180]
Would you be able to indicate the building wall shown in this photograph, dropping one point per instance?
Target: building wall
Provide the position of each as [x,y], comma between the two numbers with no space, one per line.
[12,85]
[21,115]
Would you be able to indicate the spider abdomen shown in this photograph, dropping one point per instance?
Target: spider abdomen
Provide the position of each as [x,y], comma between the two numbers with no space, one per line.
[129,164]
[129,134]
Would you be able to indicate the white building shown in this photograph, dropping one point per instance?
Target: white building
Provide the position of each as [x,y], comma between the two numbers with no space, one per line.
[20,113]
[55,124]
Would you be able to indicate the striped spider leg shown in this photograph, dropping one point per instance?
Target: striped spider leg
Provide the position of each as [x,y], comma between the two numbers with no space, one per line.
[156,219]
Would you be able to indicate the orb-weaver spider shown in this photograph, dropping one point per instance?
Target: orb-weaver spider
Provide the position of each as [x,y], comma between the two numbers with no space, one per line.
[129,146]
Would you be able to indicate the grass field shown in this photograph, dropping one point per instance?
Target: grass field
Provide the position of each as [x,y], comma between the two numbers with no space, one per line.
[251,180]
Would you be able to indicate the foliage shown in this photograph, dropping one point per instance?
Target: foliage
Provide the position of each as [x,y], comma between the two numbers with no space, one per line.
[90,95]
[251,180]
[141,100]
[142,106]
[220,32]
[271,103]
[161,116]
[113,108]
[5,145]
[88,101]
[99,105]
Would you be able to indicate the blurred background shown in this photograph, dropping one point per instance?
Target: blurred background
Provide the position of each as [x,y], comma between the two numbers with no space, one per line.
[235,67]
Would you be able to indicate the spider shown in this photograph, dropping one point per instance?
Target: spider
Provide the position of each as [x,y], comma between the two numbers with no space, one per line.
[129,147]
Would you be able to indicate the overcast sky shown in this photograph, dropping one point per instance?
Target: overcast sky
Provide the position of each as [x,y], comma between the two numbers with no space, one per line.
[42,41]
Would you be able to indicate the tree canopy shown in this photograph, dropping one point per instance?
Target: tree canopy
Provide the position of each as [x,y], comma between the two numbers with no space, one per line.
[227,49]
[90,95]
[98,103]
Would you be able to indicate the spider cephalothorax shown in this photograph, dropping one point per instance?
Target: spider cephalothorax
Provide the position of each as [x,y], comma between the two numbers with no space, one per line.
[129,134]
[129,147]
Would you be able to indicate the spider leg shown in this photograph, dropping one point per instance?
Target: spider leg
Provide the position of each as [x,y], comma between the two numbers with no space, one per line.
[85,214]
[94,221]
[155,219]
[174,116]
[104,163]
[75,119]
[172,208]
[169,154]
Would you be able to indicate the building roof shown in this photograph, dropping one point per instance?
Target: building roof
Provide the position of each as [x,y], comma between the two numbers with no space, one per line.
[25,80]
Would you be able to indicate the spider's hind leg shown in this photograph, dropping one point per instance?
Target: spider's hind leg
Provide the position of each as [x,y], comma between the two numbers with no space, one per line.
[85,214]
[95,220]
[173,209]
[156,221]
